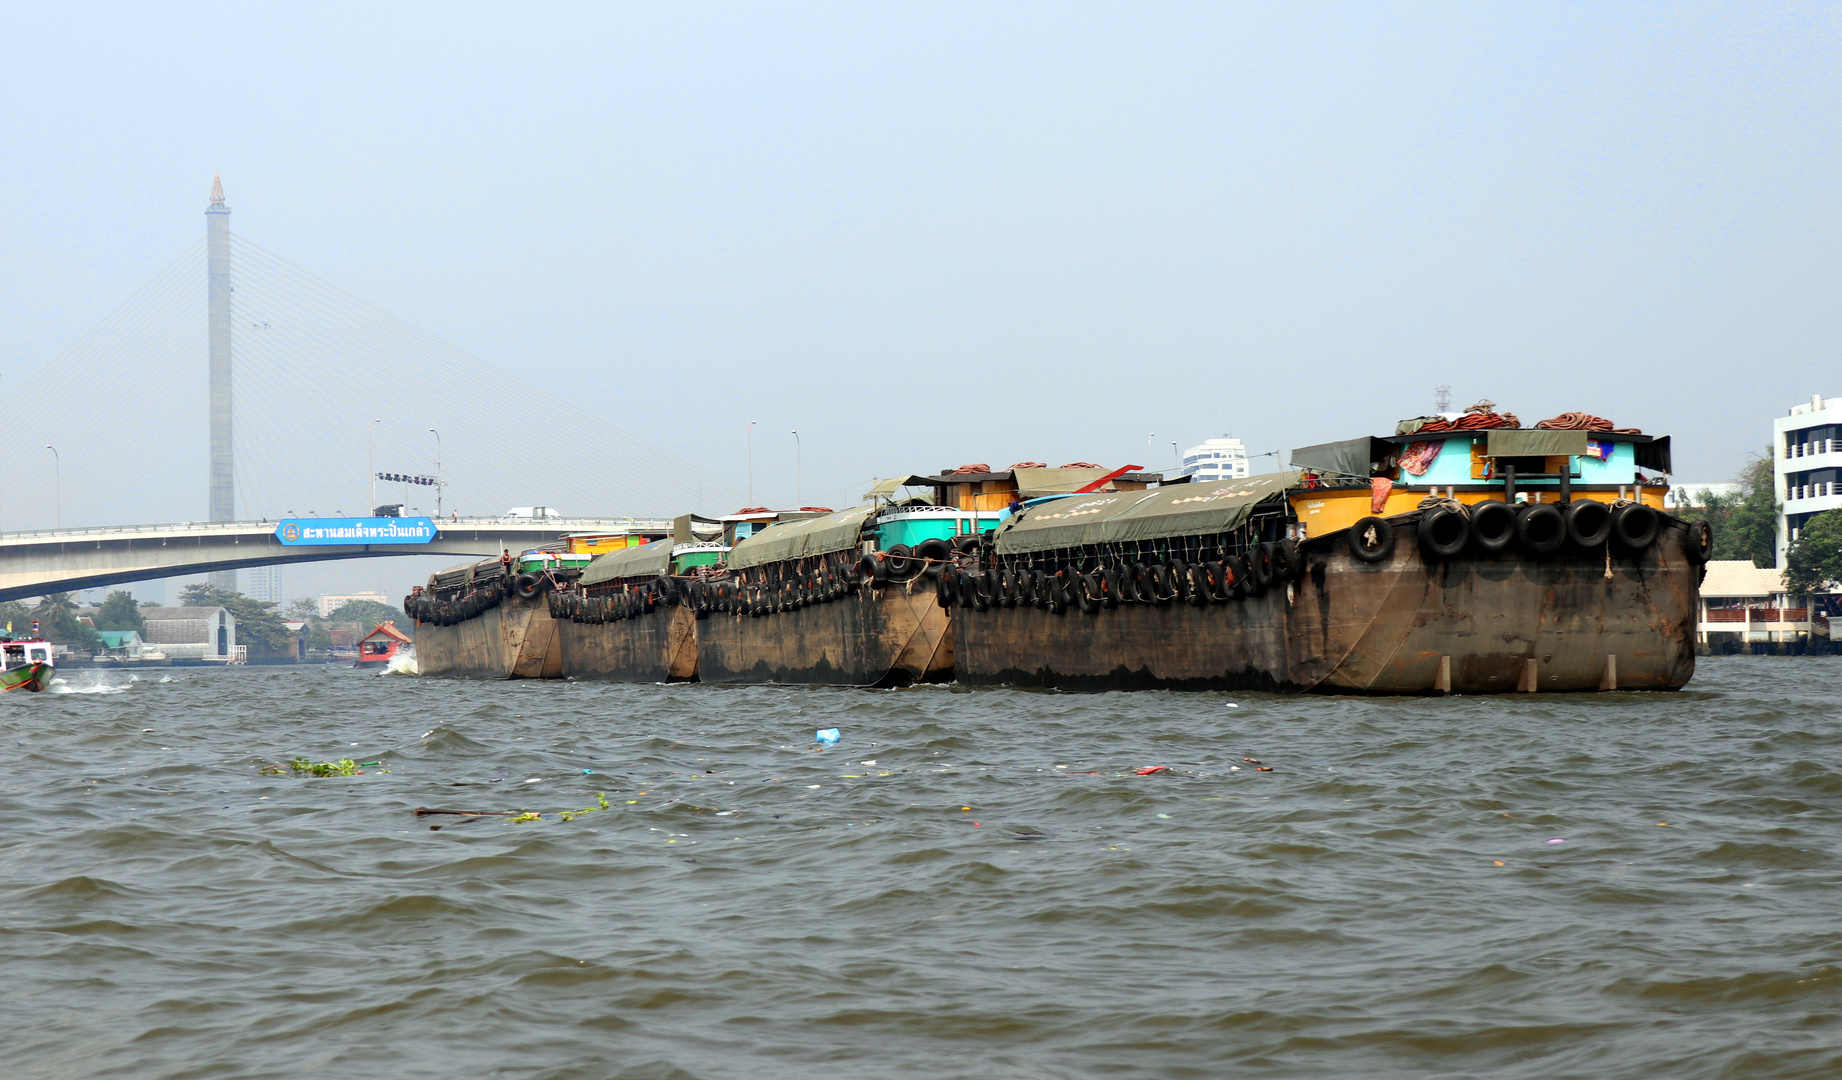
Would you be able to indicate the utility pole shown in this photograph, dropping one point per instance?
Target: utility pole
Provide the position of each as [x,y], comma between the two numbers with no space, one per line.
[438,483]
[371,466]
[57,476]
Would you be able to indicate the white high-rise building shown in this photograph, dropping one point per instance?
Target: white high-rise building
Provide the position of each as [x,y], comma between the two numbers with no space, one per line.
[332,602]
[1215,459]
[1807,470]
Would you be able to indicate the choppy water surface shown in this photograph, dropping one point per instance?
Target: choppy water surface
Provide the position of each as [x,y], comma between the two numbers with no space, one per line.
[974,883]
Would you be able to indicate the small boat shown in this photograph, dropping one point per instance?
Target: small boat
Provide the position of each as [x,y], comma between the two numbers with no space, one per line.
[381,645]
[28,665]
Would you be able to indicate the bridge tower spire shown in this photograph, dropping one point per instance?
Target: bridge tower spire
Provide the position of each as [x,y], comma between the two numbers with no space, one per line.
[217,258]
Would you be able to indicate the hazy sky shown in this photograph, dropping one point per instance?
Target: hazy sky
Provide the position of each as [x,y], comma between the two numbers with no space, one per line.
[930,235]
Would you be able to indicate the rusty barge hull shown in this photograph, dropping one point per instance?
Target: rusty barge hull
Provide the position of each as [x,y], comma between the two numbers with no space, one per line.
[658,646]
[895,635]
[1578,621]
[515,638]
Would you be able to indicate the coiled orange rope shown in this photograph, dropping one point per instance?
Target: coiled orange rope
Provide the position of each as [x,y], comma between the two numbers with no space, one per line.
[1579,421]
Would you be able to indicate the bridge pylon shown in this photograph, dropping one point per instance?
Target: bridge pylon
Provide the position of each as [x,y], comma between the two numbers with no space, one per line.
[217,259]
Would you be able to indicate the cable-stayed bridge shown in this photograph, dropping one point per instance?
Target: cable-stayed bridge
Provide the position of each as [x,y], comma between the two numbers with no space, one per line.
[237,389]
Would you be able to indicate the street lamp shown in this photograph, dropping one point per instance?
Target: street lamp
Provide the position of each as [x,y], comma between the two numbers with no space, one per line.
[798,496]
[370,462]
[437,435]
[751,463]
[57,466]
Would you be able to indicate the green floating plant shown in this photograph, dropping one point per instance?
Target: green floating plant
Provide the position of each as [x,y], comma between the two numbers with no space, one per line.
[300,766]
[530,815]
[571,815]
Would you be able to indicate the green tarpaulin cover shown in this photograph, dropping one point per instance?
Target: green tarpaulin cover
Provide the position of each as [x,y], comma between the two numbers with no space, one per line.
[1180,510]
[1512,442]
[647,560]
[888,488]
[1034,482]
[801,539]
[1350,458]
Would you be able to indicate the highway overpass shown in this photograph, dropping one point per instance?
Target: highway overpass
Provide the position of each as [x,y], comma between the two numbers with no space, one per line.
[64,560]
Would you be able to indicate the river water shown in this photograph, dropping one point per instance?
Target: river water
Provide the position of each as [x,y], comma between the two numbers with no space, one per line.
[973,883]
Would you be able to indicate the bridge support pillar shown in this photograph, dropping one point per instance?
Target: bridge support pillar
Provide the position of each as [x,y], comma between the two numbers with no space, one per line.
[217,274]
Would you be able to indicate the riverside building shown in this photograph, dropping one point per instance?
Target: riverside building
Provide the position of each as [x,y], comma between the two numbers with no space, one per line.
[1215,459]
[1807,472]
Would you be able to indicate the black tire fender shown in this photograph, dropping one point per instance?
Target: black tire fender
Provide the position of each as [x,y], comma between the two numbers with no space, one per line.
[936,552]
[1197,591]
[1540,529]
[1371,540]
[1108,590]
[1259,569]
[1636,526]
[1589,523]
[1493,526]
[1444,532]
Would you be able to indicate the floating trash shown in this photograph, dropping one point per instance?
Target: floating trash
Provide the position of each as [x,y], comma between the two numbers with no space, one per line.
[827,736]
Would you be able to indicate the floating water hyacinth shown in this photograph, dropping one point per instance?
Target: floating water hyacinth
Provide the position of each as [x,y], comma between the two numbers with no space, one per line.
[302,767]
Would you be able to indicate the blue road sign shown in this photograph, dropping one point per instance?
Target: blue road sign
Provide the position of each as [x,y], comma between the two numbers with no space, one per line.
[311,532]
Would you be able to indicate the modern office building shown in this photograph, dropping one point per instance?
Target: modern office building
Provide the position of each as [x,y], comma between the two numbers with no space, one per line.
[265,584]
[1807,472]
[1215,459]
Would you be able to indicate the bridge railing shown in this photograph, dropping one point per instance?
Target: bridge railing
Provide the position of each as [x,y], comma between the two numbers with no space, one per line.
[266,525]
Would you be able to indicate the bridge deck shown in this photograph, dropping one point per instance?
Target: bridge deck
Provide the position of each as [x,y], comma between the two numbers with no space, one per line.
[54,560]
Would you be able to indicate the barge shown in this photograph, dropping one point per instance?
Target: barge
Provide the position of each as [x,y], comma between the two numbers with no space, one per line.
[822,599]
[856,597]
[491,619]
[631,615]
[1469,559]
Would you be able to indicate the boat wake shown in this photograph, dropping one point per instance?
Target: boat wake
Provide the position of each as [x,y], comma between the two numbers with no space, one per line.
[89,682]
[403,663]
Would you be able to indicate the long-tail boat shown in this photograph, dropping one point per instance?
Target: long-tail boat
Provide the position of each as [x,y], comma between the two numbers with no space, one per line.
[27,664]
